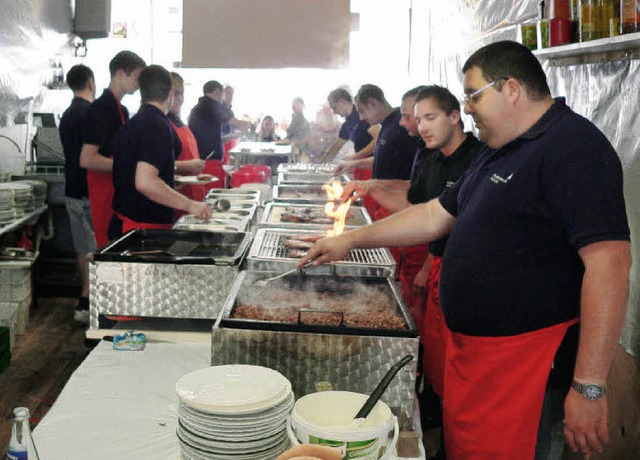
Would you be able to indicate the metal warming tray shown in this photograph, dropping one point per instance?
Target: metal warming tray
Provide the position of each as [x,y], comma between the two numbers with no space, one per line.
[302,178]
[299,193]
[353,359]
[234,194]
[219,222]
[318,168]
[268,254]
[262,153]
[272,216]
[165,274]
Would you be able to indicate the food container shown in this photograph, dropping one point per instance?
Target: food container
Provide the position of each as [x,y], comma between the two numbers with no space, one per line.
[299,193]
[240,177]
[277,215]
[165,274]
[219,222]
[302,178]
[319,168]
[327,418]
[262,153]
[319,348]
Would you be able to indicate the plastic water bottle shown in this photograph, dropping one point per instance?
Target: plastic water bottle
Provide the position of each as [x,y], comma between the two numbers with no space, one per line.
[21,446]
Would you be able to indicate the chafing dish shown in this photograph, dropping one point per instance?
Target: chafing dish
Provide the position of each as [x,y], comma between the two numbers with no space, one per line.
[299,193]
[219,222]
[268,254]
[320,168]
[272,216]
[234,193]
[262,153]
[351,358]
[165,274]
[302,178]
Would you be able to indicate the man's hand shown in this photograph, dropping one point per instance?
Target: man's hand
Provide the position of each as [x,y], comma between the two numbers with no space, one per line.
[201,210]
[345,167]
[420,281]
[585,423]
[356,189]
[190,167]
[327,250]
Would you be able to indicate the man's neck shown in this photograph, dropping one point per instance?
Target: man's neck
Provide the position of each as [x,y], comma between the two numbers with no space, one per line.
[530,115]
[458,138]
[118,92]
[385,111]
[85,94]
[162,106]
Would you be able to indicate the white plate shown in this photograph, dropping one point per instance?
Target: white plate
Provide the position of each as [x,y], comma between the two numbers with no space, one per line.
[190,180]
[233,389]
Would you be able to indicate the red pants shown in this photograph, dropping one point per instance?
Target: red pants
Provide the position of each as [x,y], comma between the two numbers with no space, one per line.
[369,203]
[413,259]
[100,198]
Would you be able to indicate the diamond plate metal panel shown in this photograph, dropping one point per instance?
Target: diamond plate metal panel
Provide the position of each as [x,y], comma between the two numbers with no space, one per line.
[158,290]
[351,363]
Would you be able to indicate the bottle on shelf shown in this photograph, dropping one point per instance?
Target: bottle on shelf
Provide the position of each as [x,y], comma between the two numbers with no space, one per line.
[21,446]
[590,20]
[629,16]
[543,26]
[575,20]
[610,18]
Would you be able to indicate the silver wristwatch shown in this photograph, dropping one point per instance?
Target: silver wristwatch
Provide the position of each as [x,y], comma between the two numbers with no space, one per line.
[591,391]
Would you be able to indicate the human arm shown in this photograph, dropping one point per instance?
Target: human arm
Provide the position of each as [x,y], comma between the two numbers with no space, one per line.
[389,193]
[420,280]
[415,225]
[239,124]
[348,166]
[149,183]
[189,167]
[366,151]
[91,159]
[603,307]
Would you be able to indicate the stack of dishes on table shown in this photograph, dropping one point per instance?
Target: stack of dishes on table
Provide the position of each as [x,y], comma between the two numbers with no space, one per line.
[22,197]
[234,411]
[39,194]
[7,205]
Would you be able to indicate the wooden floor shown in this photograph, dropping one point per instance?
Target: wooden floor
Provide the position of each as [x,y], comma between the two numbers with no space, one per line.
[42,361]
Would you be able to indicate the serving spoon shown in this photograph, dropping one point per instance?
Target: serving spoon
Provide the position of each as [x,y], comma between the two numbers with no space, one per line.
[262,283]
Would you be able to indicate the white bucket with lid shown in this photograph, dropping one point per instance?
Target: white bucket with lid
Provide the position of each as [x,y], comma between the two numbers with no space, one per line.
[326,418]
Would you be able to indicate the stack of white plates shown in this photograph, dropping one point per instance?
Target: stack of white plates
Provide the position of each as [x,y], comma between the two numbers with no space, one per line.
[233,412]
[22,197]
[39,193]
[7,205]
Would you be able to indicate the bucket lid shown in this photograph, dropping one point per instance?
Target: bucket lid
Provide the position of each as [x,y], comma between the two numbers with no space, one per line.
[335,411]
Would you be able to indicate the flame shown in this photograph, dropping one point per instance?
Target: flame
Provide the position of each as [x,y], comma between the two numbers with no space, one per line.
[332,209]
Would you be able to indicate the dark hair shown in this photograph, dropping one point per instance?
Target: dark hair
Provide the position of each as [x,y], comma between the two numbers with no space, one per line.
[506,59]
[78,77]
[211,86]
[339,93]
[155,84]
[127,61]
[446,101]
[413,92]
[367,92]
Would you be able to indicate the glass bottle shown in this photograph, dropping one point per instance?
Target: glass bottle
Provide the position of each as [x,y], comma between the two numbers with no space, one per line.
[590,19]
[629,16]
[609,19]
[575,20]
[543,26]
[21,446]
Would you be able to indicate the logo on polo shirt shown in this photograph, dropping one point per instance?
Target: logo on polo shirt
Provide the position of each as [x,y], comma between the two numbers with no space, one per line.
[496,179]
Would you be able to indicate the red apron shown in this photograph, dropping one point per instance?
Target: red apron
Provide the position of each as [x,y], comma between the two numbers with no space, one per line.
[214,167]
[100,187]
[379,214]
[228,146]
[413,258]
[369,203]
[189,152]
[494,392]
[129,224]
[435,332]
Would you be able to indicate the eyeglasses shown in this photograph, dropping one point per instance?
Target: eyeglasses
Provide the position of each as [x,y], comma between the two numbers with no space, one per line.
[472,98]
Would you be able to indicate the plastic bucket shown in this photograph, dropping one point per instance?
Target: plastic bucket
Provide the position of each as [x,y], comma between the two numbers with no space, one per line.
[247,177]
[264,169]
[326,418]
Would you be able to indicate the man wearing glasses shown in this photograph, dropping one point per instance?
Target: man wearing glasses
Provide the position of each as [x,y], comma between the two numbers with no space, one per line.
[538,239]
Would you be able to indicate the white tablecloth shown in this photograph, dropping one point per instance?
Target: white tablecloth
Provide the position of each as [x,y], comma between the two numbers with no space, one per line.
[120,404]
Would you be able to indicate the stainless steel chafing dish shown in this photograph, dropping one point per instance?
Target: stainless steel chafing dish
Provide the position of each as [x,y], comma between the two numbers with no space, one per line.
[299,193]
[302,178]
[219,222]
[268,254]
[351,358]
[319,168]
[262,153]
[272,216]
[234,194]
[165,274]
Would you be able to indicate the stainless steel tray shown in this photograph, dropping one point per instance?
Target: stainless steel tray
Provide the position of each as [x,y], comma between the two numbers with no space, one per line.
[268,254]
[230,193]
[273,212]
[219,222]
[317,168]
[302,178]
[299,194]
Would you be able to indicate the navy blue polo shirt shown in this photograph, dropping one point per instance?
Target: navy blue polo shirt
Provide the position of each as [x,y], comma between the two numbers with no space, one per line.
[523,211]
[394,151]
[71,133]
[205,121]
[147,137]
[439,172]
[104,119]
[355,130]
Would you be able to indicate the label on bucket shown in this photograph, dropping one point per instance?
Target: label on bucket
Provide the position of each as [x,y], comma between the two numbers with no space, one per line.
[354,449]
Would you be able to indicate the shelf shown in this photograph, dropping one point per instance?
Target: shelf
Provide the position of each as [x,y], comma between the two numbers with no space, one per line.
[6,228]
[622,47]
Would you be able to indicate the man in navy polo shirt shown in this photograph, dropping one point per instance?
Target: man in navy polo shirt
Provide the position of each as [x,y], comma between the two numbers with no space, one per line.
[538,239]
[353,129]
[81,81]
[144,161]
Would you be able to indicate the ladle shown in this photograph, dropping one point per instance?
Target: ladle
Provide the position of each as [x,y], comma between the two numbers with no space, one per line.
[379,390]
[262,283]
[221,205]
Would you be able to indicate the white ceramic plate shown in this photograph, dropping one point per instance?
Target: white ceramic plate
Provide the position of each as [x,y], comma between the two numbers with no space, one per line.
[233,389]
[190,180]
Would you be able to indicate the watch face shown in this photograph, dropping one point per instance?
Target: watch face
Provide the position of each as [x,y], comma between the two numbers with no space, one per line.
[593,392]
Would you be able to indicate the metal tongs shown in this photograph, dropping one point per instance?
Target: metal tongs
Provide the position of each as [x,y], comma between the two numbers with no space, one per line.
[264,282]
